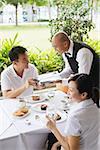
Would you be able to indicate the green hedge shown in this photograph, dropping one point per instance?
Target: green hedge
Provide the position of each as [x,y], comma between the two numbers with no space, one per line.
[45,61]
[94,44]
[5,47]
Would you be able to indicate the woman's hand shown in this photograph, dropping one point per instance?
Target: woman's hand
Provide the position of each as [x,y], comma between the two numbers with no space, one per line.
[51,124]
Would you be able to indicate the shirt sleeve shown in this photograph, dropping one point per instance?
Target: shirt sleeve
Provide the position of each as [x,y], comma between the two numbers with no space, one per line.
[67,71]
[84,59]
[5,82]
[73,127]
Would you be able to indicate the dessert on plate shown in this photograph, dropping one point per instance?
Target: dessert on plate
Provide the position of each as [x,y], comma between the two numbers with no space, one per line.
[35,97]
[21,112]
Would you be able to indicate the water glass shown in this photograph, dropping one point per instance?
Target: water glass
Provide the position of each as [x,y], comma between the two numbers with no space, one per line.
[51,111]
[51,95]
[22,103]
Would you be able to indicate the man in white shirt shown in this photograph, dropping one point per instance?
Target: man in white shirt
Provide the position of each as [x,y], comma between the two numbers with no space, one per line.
[78,57]
[18,79]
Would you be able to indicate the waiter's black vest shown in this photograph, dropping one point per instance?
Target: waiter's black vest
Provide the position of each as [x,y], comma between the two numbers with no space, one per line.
[94,72]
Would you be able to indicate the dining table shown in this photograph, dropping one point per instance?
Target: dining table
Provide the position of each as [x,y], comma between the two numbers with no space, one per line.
[29,132]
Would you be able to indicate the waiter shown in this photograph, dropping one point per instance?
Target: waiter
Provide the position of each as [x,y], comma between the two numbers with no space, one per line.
[78,57]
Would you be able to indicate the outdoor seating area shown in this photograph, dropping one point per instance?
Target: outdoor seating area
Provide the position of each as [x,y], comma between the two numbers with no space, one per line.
[49,75]
[30,131]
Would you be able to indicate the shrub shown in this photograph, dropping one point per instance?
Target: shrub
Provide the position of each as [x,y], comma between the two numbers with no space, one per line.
[46,61]
[6,46]
[95,44]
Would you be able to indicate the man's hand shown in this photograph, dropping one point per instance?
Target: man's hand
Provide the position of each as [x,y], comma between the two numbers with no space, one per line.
[31,82]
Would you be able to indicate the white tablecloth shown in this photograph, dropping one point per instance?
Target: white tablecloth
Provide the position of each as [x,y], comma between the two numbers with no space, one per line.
[20,135]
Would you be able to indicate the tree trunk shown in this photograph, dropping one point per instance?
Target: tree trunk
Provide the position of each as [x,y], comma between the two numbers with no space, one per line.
[91,10]
[49,10]
[16,11]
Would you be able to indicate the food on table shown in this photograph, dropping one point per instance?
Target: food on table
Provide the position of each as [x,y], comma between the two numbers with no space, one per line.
[21,112]
[24,109]
[49,84]
[35,97]
[57,117]
[62,87]
[44,107]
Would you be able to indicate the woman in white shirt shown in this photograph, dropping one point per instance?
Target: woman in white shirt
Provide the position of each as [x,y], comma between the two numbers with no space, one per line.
[82,126]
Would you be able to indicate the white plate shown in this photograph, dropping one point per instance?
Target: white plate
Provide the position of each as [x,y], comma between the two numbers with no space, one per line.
[29,111]
[63,116]
[61,113]
[37,108]
[28,99]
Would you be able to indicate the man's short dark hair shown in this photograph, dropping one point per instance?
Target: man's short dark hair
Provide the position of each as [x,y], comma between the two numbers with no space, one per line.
[15,52]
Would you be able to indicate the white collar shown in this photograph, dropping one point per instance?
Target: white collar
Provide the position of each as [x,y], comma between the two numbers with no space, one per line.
[81,105]
[15,74]
[70,50]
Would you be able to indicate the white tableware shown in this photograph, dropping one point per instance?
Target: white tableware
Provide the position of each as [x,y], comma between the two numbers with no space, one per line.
[29,99]
[37,108]
[62,114]
[25,115]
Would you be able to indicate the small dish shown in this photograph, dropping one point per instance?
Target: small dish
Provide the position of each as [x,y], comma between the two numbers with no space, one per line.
[21,113]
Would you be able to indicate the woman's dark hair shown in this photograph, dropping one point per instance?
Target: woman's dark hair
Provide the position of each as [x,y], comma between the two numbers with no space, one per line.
[84,84]
[15,52]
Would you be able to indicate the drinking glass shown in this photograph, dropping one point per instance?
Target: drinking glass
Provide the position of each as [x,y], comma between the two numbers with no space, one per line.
[22,102]
[50,96]
[51,111]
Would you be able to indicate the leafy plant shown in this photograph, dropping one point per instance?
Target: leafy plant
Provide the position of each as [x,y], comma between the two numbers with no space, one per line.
[73,18]
[6,46]
[95,44]
[46,61]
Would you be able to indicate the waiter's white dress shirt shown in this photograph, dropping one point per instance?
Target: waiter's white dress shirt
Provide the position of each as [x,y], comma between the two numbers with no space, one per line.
[83,120]
[11,81]
[84,58]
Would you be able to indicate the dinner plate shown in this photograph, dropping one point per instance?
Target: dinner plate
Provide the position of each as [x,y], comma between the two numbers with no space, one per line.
[25,115]
[63,116]
[61,113]
[28,99]
[37,108]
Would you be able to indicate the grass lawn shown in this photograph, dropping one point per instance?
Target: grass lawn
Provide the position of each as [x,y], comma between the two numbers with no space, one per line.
[30,35]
